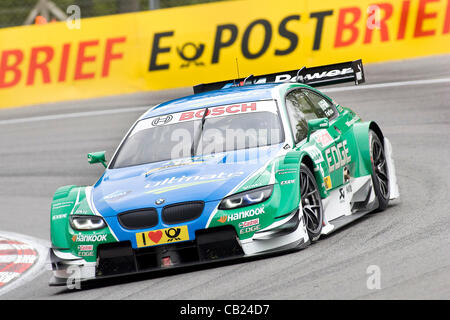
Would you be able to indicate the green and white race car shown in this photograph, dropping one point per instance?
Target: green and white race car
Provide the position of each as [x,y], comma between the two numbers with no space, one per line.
[240,168]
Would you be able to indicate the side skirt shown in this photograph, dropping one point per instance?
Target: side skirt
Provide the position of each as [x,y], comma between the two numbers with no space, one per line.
[344,220]
[349,203]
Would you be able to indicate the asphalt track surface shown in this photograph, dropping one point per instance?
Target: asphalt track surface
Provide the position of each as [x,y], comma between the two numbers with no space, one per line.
[44,147]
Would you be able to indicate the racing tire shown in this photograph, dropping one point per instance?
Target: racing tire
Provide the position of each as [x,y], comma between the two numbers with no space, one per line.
[380,174]
[311,203]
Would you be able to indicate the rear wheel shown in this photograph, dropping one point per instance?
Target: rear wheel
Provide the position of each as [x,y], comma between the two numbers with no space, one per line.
[311,202]
[380,175]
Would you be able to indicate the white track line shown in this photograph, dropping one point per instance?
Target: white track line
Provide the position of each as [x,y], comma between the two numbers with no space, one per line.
[389,84]
[72,115]
[135,109]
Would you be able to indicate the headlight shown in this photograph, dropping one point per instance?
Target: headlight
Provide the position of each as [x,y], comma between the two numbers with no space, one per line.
[87,222]
[246,198]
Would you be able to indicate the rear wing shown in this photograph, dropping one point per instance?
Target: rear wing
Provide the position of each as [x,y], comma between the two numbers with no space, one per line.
[351,71]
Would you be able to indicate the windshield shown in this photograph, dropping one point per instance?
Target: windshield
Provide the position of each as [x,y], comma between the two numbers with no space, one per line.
[181,135]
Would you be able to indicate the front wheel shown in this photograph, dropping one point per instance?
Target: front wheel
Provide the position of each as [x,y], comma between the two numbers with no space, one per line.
[311,202]
[380,175]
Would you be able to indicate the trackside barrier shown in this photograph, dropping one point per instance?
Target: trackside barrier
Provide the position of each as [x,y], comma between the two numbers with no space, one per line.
[184,46]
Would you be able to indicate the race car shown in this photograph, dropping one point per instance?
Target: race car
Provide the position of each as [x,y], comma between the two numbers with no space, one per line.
[238,169]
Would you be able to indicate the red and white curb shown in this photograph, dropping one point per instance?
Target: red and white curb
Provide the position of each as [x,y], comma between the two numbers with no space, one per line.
[21,259]
[16,258]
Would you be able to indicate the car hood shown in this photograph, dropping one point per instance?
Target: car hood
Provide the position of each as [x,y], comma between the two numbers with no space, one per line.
[208,178]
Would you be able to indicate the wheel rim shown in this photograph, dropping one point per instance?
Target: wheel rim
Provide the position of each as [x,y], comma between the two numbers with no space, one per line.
[380,167]
[311,206]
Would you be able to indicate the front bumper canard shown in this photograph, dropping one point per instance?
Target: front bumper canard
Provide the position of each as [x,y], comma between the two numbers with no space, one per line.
[68,268]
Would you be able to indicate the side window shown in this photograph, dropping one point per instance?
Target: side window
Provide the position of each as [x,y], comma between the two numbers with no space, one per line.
[323,107]
[300,111]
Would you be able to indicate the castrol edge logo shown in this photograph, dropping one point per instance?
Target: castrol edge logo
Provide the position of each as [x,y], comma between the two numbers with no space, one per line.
[197,114]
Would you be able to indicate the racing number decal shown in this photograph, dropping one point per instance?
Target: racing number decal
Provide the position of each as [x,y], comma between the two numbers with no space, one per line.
[162,236]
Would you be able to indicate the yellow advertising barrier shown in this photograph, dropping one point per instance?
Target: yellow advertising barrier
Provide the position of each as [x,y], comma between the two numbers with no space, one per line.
[184,46]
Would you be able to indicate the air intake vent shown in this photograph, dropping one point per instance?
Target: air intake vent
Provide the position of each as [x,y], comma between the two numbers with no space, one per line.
[139,219]
[182,212]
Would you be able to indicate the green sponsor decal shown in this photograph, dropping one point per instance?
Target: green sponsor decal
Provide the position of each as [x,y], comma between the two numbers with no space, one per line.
[72,201]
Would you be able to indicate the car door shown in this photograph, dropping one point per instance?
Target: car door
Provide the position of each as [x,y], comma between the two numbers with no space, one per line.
[303,105]
[337,155]
[301,110]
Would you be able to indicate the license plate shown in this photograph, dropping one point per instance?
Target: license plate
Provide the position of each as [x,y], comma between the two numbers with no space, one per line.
[162,236]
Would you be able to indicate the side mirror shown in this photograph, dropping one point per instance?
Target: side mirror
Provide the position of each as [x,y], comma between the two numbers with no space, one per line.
[317,124]
[96,157]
